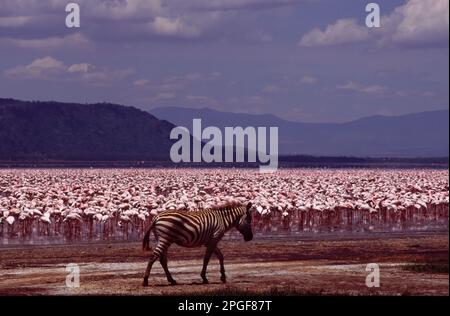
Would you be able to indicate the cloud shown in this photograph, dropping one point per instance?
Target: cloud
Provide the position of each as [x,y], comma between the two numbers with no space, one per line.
[80,68]
[143,19]
[51,69]
[51,43]
[308,80]
[369,89]
[417,23]
[111,9]
[155,18]
[342,32]
[120,10]
[43,68]
[174,27]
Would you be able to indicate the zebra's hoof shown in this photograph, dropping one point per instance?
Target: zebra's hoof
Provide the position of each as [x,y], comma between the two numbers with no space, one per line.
[173,282]
[145,283]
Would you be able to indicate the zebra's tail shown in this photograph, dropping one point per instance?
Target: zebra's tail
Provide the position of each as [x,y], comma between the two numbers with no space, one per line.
[146,240]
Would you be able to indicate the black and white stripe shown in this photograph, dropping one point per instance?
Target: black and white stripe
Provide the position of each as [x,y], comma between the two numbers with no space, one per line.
[195,229]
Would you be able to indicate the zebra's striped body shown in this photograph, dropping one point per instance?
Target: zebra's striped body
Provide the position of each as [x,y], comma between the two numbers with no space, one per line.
[195,229]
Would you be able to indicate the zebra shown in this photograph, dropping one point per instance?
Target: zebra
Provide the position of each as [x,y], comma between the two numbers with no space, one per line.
[195,229]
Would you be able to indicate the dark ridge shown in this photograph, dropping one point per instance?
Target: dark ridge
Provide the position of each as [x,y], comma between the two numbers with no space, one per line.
[45,131]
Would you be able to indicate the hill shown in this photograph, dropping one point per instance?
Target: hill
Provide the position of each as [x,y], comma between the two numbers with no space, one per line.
[68,131]
[424,134]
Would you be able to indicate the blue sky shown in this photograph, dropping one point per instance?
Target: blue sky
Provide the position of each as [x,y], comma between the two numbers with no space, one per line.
[305,60]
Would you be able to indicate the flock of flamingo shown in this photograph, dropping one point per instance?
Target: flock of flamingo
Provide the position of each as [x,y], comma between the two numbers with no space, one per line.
[119,203]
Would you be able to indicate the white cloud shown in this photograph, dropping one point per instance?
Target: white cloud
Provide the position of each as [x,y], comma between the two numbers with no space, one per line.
[342,32]
[145,18]
[42,68]
[80,68]
[369,89]
[51,69]
[111,9]
[51,43]
[309,80]
[416,23]
[174,27]
[119,10]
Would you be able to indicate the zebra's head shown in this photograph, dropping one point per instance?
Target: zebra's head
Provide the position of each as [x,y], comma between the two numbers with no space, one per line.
[244,225]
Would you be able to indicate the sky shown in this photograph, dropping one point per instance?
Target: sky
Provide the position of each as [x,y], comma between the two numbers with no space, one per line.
[302,60]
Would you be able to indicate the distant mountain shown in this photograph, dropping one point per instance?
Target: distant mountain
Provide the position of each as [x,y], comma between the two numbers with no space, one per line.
[46,131]
[67,131]
[424,134]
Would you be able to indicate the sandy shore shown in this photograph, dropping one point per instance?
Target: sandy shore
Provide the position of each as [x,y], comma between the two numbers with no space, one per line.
[415,264]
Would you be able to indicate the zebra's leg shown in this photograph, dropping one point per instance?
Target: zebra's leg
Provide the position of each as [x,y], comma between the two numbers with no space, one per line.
[219,255]
[163,261]
[160,248]
[153,258]
[209,250]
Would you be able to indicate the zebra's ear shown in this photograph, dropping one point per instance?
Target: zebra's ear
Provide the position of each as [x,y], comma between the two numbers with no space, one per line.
[249,205]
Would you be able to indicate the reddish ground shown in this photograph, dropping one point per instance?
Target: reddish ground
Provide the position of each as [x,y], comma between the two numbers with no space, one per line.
[415,264]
